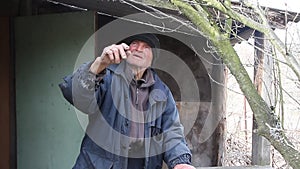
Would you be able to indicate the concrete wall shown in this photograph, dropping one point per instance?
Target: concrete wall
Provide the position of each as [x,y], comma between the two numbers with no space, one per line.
[48,132]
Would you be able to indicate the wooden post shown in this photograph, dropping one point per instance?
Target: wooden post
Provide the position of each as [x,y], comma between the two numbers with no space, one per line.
[260,146]
[5,109]
[25,8]
[219,108]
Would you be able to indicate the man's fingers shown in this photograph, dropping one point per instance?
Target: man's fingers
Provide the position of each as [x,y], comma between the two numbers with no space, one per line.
[122,50]
[125,46]
[128,52]
[110,55]
[116,53]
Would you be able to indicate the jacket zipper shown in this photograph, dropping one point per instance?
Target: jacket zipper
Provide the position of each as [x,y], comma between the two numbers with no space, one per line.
[137,96]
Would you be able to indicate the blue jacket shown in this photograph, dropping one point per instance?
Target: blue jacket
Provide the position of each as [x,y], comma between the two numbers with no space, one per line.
[106,102]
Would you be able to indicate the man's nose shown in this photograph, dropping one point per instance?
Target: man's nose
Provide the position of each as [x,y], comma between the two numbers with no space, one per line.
[140,47]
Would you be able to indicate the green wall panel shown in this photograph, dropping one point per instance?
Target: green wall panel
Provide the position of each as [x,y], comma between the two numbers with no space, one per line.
[47,46]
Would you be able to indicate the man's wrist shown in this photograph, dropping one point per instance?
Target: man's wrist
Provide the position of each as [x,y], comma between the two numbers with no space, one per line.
[97,66]
[182,159]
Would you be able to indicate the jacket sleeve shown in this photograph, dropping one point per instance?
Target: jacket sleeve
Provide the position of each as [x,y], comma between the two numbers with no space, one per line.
[84,89]
[176,148]
[66,88]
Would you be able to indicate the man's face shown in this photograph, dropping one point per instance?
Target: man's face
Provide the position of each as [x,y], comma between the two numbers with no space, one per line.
[141,54]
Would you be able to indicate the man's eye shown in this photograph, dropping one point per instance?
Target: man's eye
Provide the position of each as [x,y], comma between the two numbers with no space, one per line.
[134,43]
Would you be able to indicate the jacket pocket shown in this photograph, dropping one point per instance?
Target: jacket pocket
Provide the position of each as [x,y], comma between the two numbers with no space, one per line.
[156,133]
[156,141]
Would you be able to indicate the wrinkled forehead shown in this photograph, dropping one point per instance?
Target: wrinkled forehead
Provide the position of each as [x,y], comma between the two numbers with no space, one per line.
[140,41]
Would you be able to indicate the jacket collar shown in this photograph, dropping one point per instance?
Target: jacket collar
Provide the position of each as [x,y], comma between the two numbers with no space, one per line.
[159,90]
[122,70]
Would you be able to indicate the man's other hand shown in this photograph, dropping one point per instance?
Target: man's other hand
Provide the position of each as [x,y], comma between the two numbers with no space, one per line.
[184,166]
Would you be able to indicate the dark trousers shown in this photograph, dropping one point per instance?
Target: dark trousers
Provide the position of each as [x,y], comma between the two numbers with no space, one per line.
[136,150]
[136,163]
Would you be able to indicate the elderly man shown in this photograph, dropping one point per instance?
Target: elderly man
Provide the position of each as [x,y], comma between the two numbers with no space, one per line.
[133,119]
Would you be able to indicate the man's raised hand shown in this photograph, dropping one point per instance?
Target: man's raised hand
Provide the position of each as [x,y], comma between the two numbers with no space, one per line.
[112,54]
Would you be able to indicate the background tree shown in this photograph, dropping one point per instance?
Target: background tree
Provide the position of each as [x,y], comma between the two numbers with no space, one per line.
[215,20]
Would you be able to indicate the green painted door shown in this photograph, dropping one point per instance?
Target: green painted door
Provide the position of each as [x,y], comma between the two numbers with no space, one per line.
[47,46]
